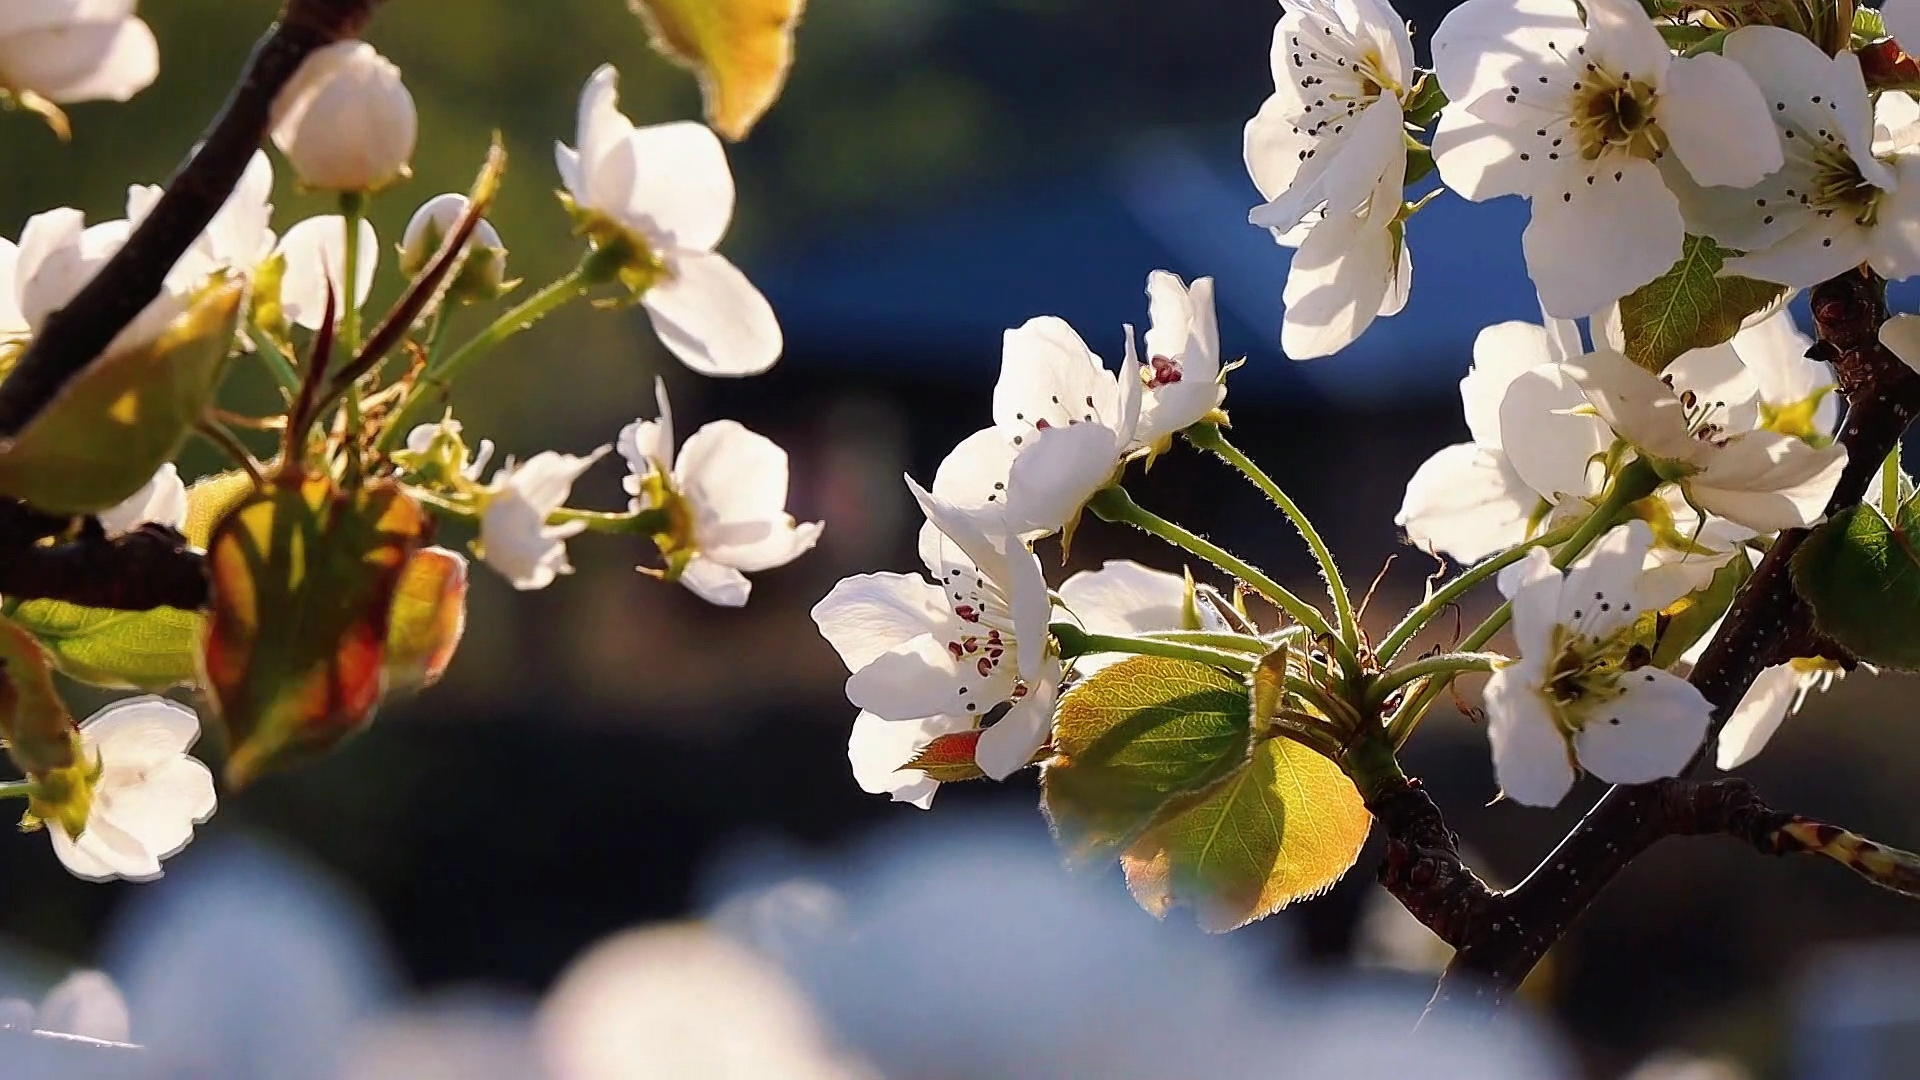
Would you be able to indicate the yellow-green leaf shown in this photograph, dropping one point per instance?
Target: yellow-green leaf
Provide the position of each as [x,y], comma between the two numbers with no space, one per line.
[126,414]
[428,618]
[209,499]
[1691,306]
[303,576]
[1131,737]
[741,49]
[138,650]
[1281,828]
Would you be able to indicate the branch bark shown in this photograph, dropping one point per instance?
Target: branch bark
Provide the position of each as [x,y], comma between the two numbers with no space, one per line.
[150,567]
[76,334]
[1499,937]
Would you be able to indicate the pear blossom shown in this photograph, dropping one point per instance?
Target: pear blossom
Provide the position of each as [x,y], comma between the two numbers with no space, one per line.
[1475,498]
[76,50]
[1761,479]
[1776,694]
[161,501]
[1844,196]
[1901,335]
[486,265]
[1329,153]
[58,254]
[972,638]
[1184,380]
[1124,598]
[726,495]
[316,255]
[345,120]
[238,239]
[148,796]
[1578,116]
[667,192]
[439,447]
[1796,393]
[515,538]
[1575,698]
[1063,423]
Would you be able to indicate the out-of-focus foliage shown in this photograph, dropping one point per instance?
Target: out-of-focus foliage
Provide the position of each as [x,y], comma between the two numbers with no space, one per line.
[741,49]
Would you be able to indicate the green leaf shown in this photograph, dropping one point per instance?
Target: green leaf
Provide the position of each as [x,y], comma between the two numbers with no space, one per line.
[1861,575]
[1283,827]
[1131,737]
[1691,306]
[138,650]
[304,576]
[126,414]
[1680,625]
[741,49]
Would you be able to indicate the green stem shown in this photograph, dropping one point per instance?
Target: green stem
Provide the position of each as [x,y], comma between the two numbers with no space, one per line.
[1890,483]
[19,789]
[1444,664]
[1114,504]
[440,376]
[353,206]
[1375,770]
[1229,642]
[621,523]
[1452,591]
[277,363]
[1632,483]
[1209,437]
[1077,642]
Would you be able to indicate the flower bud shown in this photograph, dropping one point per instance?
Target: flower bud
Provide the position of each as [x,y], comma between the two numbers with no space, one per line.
[482,275]
[345,120]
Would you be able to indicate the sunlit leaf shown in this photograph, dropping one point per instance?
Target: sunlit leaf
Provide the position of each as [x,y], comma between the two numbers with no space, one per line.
[1681,624]
[304,577]
[429,616]
[210,499]
[1281,828]
[1861,574]
[949,758]
[741,49]
[126,414]
[1131,737]
[1691,306]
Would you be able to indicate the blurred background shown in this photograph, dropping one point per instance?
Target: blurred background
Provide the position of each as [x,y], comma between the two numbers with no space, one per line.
[611,752]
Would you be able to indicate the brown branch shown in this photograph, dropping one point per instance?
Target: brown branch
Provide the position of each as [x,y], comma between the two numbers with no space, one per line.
[147,568]
[81,331]
[1499,937]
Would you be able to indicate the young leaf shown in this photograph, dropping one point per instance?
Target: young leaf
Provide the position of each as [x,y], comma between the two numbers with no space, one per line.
[1691,306]
[428,618]
[1283,827]
[139,650]
[304,576]
[126,414]
[949,758]
[1130,738]
[741,49]
[1861,574]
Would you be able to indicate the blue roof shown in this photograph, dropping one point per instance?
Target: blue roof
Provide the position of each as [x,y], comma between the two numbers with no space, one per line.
[941,286]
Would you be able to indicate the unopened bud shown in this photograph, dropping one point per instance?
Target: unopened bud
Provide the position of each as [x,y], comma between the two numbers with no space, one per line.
[482,275]
[345,120]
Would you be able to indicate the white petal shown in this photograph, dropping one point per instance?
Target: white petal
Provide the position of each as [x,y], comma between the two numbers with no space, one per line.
[1601,592]
[12,323]
[1620,33]
[1339,280]
[1551,448]
[715,582]
[1719,379]
[1467,502]
[709,315]
[1821,248]
[1048,373]
[316,254]
[1768,481]
[102,852]
[1009,745]
[1635,404]
[974,473]
[1649,731]
[1478,159]
[1534,586]
[1718,121]
[141,732]
[157,807]
[1760,713]
[736,480]
[878,748]
[1501,353]
[1056,473]
[162,501]
[1479,42]
[647,445]
[918,678]
[681,190]
[1124,598]
[1625,227]
[866,615]
[82,61]
[1529,756]
[1901,334]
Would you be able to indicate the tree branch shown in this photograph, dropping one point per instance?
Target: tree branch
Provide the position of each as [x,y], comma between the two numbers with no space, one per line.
[147,568]
[1499,937]
[73,336]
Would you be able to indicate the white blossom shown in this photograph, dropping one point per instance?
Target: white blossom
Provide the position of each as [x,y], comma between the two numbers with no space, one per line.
[345,120]
[1724,465]
[161,501]
[879,751]
[515,538]
[239,237]
[1124,598]
[58,254]
[959,645]
[1182,371]
[1776,694]
[1578,116]
[1574,697]
[1796,393]
[316,255]
[668,189]
[1843,197]
[1329,152]
[1063,423]
[148,796]
[1901,335]
[726,494]
[76,50]
[486,264]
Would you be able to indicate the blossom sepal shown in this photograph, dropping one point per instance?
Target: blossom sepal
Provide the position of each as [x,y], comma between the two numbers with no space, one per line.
[619,254]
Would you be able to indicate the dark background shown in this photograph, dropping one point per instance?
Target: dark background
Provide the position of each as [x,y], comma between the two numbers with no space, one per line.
[939,170]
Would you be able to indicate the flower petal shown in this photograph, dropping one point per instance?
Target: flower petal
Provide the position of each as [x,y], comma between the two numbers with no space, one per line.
[868,614]
[709,315]
[1468,502]
[1718,121]
[878,749]
[1621,219]
[1530,759]
[1648,732]
[316,254]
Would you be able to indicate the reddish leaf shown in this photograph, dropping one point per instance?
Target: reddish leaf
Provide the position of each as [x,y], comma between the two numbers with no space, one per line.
[304,577]
[429,616]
